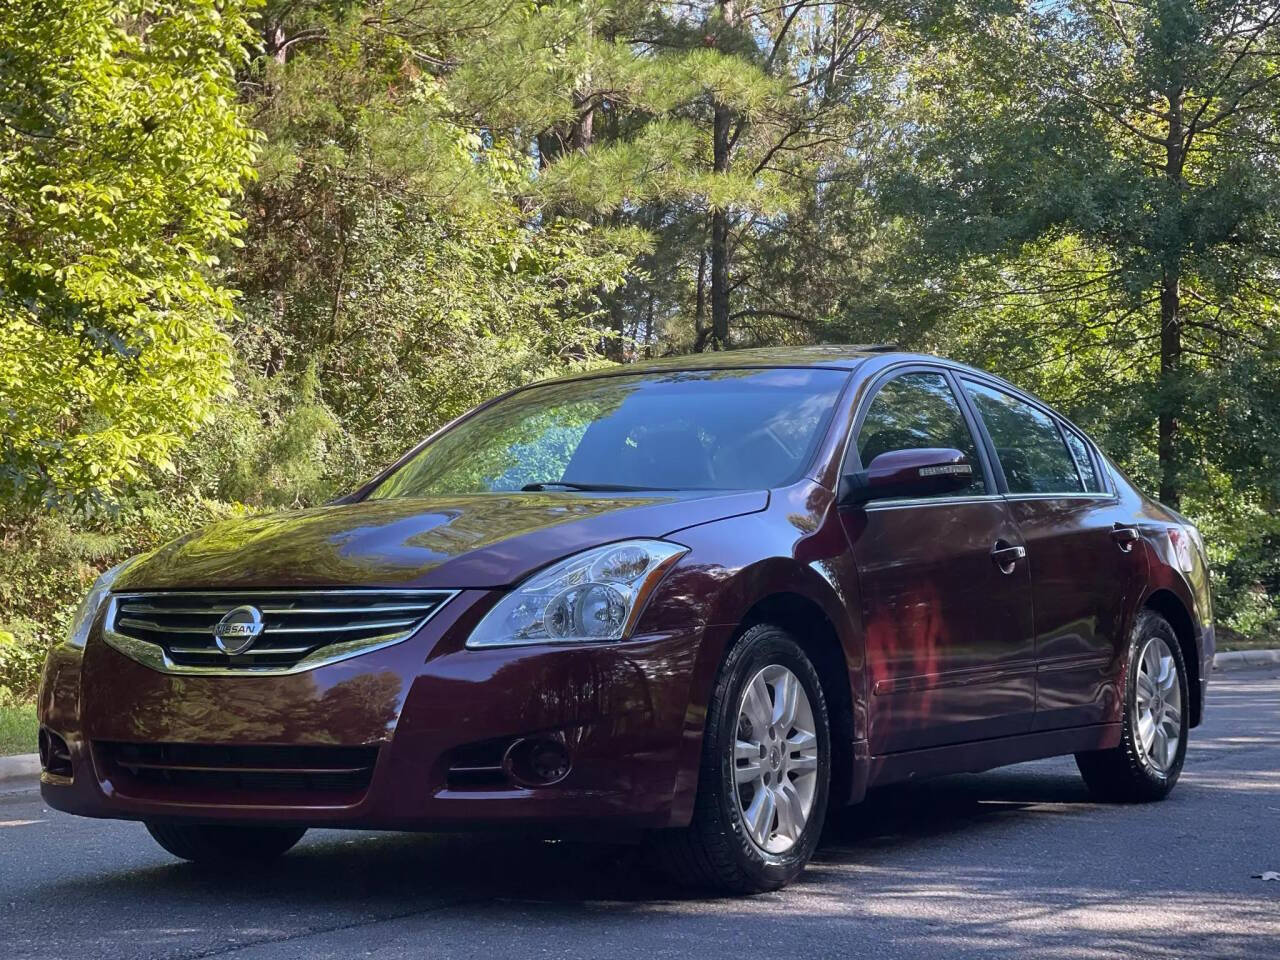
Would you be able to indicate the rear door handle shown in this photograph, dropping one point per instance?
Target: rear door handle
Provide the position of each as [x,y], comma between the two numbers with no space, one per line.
[1125,537]
[1006,556]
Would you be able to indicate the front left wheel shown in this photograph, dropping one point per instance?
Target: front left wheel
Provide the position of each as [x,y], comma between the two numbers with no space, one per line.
[765,775]
[225,845]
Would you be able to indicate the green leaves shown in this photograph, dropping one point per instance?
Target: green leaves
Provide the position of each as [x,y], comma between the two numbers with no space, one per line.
[120,148]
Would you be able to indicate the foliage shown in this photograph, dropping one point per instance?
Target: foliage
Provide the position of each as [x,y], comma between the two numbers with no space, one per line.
[18,727]
[121,150]
[397,251]
[48,563]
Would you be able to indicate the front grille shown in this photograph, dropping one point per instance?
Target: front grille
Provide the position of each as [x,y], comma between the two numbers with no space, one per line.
[344,771]
[296,623]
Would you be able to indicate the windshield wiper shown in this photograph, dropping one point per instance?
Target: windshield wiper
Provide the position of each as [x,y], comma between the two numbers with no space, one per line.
[588,487]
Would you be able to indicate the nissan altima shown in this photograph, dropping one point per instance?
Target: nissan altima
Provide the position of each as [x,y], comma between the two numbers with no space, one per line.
[695,602]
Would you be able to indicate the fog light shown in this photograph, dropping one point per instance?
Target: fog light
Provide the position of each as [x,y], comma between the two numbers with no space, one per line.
[536,762]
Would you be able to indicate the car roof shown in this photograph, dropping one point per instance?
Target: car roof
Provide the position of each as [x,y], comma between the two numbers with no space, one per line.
[832,356]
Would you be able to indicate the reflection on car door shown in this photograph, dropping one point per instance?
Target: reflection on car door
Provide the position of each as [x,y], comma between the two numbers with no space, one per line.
[1086,577]
[950,652]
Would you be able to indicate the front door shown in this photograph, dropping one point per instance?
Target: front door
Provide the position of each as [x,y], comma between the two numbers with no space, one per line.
[1087,576]
[948,627]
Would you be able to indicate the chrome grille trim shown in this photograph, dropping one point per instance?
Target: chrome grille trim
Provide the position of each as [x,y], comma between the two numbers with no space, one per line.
[163,629]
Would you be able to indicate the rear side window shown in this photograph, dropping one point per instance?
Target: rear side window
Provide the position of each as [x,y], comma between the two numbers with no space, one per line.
[1084,461]
[1028,443]
[916,411]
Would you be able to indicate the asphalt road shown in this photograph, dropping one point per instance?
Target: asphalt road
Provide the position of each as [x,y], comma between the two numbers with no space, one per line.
[1014,863]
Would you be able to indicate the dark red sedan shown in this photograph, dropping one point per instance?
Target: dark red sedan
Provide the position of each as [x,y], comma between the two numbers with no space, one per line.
[695,601]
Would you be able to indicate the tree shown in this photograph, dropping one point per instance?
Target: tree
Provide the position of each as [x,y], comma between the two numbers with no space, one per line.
[1145,134]
[122,148]
[777,261]
[400,256]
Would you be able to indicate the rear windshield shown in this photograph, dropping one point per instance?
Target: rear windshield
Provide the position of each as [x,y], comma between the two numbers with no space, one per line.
[700,429]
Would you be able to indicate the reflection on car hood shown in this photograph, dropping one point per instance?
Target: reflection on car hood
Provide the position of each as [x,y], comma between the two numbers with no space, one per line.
[485,540]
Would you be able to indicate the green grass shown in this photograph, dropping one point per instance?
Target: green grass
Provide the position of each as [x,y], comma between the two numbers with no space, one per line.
[17,729]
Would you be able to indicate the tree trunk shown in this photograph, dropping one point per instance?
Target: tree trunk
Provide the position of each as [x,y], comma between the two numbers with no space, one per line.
[720,239]
[700,330]
[276,42]
[1171,319]
[580,135]
[648,328]
[721,121]
[1170,360]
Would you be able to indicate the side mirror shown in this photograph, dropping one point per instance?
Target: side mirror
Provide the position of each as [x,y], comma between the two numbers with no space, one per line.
[926,472]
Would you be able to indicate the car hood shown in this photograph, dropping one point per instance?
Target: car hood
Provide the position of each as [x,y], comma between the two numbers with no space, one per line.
[486,540]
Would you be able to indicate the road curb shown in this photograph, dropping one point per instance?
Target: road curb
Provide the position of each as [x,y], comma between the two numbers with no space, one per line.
[19,773]
[1244,659]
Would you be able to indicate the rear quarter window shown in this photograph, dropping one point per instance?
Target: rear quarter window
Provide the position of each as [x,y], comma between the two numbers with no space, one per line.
[1084,461]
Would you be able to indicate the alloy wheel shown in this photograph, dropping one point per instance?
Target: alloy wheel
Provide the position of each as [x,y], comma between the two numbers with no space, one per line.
[775,759]
[1158,706]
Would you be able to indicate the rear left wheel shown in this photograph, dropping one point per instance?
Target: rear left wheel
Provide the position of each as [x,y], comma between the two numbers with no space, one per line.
[762,790]
[225,844]
[1153,741]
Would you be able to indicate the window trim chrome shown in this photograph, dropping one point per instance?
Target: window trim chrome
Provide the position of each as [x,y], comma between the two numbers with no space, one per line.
[985,498]
[153,655]
[1086,495]
[871,505]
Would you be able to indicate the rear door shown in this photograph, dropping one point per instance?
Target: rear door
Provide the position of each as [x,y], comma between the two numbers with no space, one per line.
[949,645]
[1086,576]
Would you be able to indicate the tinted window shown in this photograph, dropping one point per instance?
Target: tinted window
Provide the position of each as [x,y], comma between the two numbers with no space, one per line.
[1084,462]
[1027,441]
[735,429]
[914,411]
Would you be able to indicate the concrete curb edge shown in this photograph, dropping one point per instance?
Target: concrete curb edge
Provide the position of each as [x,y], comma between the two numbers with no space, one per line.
[1240,659]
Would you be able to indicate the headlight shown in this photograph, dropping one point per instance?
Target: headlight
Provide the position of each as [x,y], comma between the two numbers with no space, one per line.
[594,595]
[88,609]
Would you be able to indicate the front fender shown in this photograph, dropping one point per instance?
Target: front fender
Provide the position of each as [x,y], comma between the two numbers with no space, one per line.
[796,551]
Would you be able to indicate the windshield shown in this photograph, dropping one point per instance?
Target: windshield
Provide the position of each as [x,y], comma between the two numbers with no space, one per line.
[699,429]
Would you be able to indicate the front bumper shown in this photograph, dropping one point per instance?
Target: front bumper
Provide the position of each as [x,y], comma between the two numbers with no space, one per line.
[436,719]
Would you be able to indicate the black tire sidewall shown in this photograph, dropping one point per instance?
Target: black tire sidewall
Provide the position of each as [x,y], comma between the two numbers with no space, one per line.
[1148,626]
[225,844]
[759,647]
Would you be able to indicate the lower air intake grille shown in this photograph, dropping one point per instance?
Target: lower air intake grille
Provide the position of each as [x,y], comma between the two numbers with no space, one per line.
[295,628]
[321,770]
[478,766]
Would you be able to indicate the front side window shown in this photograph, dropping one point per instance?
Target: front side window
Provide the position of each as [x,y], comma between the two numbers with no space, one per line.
[916,411]
[731,429]
[1028,443]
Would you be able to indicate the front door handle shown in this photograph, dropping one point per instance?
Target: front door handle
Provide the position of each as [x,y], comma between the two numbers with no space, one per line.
[1125,537]
[1006,556]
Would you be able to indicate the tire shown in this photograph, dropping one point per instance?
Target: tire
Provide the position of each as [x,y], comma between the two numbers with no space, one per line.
[718,850]
[1140,770]
[225,844]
